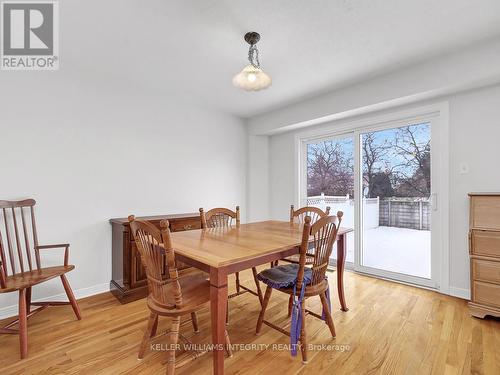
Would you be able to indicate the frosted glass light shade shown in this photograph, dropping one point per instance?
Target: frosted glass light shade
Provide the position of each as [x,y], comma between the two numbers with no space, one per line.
[252,79]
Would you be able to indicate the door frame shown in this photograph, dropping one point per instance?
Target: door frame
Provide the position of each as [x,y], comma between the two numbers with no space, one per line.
[437,115]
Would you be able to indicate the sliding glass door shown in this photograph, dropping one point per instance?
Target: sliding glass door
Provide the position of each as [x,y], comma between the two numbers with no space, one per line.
[382,179]
[396,210]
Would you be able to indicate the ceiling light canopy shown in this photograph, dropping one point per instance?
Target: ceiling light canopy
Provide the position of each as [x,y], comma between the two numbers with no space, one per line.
[252,77]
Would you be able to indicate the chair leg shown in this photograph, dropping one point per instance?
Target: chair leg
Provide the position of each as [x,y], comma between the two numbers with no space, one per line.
[153,320]
[257,284]
[155,328]
[290,305]
[23,324]
[328,314]
[194,320]
[237,282]
[227,313]
[71,297]
[229,351]
[174,337]
[28,300]
[267,297]
[303,336]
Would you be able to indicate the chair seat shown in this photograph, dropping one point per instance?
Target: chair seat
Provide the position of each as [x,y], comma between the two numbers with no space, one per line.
[26,279]
[283,276]
[296,259]
[195,295]
[310,290]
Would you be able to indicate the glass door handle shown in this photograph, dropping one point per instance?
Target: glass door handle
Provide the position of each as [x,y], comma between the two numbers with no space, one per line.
[434,202]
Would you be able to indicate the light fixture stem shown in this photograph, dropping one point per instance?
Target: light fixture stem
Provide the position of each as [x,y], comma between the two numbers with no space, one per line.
[253,56]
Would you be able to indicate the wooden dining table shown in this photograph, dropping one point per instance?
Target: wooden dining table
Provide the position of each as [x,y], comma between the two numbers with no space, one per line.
[223,251]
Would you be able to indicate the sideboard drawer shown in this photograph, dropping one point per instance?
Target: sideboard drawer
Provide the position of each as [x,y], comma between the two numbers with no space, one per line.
[188,224]
[486,293]
[485,211]
[484,270]
[486,243]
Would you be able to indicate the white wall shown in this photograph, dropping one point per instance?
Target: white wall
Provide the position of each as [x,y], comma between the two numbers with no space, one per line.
[474,134]
[89,149]
[258,178]
[474,139]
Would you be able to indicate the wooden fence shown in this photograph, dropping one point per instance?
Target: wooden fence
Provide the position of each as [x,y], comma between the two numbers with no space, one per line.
[412,213]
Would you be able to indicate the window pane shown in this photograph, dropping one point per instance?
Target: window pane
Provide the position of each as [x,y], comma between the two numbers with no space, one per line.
[330,181]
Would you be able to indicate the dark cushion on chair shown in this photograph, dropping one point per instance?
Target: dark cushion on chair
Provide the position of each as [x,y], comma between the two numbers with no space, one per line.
[284,276]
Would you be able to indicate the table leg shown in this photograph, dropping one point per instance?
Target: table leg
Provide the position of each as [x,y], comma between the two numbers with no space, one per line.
[341,255]
[218,307]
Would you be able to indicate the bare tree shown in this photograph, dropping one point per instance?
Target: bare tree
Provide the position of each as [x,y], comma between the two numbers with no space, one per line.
[395,163]
[414,172]
[374,158]
[330,169]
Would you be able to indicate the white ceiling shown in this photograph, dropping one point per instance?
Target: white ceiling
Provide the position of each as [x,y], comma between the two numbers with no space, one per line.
[192,49]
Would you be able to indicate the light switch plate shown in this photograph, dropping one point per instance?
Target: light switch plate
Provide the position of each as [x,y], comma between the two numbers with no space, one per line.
[464,168]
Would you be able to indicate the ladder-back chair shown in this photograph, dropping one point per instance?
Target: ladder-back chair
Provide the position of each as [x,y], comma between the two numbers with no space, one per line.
[171,293]
[223,218]
[309,281]
[21,266]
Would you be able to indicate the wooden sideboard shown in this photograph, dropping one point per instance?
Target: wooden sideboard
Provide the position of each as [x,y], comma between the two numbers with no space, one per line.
[128,281]
[484,250]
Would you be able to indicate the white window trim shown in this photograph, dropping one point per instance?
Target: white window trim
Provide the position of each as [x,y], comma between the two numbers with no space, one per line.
[438,114]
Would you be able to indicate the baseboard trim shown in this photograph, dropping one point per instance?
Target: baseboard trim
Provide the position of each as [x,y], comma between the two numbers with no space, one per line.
[9,311]
[460,293]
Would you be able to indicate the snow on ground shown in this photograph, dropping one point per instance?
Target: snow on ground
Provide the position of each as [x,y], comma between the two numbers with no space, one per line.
[401,250]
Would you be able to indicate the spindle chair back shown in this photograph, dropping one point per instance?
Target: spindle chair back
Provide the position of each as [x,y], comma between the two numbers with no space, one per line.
[21,266]
[314,213]
[18,239]
[158,259]
[298,216]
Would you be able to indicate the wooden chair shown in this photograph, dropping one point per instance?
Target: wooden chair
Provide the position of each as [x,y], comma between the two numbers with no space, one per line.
[171,294]
[299,216]
[19,272]
[324,234]
[220,218]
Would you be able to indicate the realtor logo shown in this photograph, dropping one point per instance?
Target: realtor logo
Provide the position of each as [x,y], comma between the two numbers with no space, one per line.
[30,35]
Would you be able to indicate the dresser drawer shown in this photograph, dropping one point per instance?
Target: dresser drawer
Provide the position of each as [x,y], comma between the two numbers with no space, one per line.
[484,270]
[486,293]
[486,243]
[187,224]
[485,212]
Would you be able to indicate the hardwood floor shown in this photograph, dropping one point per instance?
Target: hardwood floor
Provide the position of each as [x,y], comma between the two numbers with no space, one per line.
[389,329]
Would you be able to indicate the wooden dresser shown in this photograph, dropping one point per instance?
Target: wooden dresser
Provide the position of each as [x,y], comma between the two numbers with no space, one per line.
[484,250]
[128,277]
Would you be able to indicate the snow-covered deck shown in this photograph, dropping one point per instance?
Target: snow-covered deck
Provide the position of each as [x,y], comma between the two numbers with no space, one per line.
[401,250]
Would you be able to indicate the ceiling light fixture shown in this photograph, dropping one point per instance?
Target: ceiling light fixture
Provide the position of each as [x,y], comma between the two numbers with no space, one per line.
[252,77]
